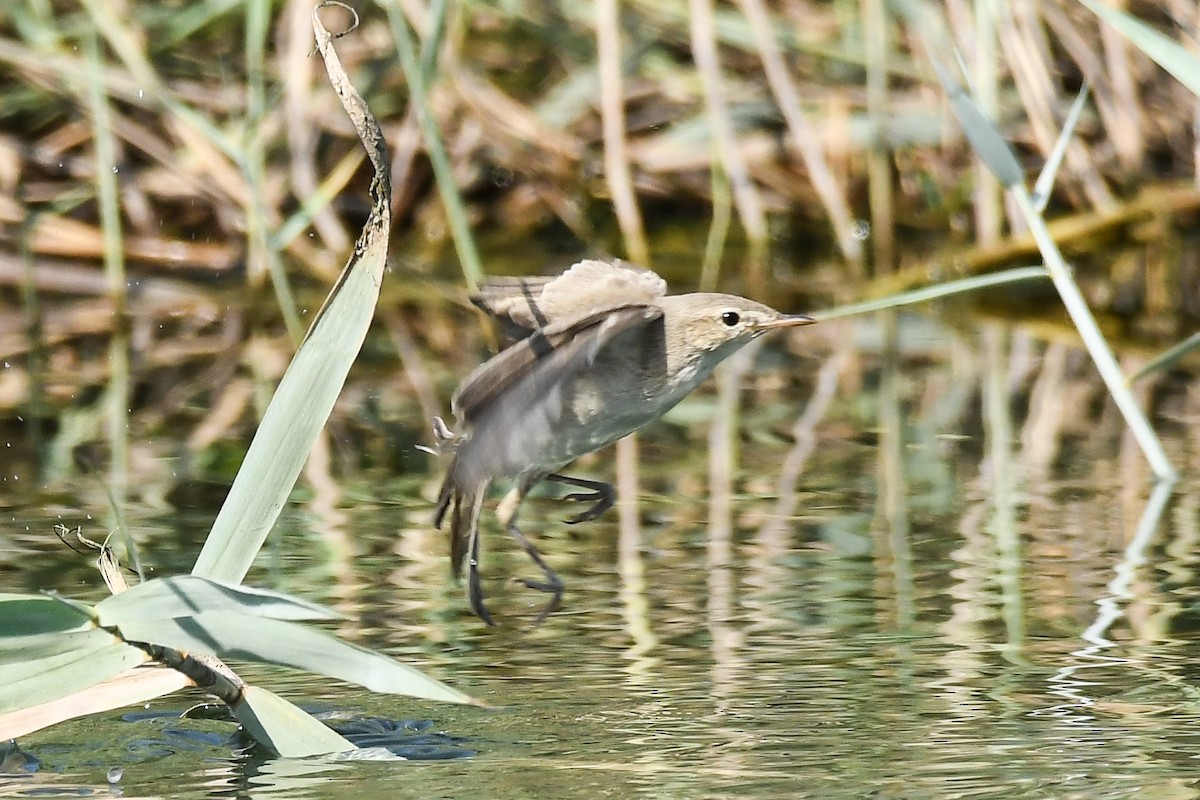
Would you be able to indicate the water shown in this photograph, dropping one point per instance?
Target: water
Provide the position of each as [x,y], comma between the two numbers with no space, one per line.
[910,628]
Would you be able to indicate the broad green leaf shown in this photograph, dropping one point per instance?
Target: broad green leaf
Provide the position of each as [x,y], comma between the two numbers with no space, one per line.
[286,729]
[189,595]
[46,679]
[228,635]
[14,669]
[1167,53]
[314,379]
[44,645]
[26,614]
[131,687]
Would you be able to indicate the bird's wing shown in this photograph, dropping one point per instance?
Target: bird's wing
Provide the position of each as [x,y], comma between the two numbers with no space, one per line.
[544,359]
[515,302]
[588,287]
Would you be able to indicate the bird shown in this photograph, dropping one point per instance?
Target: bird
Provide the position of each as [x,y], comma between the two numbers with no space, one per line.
[599,351]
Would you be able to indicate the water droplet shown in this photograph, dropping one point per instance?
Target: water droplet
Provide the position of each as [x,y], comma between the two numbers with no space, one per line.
[114,170]
[860,229]
[502,177]
[115,774]
[141,92]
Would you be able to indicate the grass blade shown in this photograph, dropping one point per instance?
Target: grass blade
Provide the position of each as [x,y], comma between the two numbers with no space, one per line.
[131,687]
[933,292]
[1045,181]
[1168,54]
[28,614]
[1169,357]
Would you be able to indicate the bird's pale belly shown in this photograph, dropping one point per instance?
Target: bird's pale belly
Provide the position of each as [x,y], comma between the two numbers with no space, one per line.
[597,414]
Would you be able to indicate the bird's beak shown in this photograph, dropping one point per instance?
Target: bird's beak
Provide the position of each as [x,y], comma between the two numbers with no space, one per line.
[788,321]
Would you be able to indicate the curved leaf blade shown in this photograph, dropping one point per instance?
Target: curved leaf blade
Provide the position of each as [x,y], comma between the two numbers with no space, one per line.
[189,595]
[228,635]
[45,645]
[313,381]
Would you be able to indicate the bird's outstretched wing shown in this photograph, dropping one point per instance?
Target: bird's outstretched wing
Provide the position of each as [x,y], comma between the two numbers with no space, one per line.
[524,305]
[542,360]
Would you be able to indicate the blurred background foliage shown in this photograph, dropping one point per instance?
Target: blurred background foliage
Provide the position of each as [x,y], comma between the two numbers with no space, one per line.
[178,188]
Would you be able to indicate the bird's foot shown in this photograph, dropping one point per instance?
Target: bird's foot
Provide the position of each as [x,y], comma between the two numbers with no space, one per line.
[601,495]
[552,584]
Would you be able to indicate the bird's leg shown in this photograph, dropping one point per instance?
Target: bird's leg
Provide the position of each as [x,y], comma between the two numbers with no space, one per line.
[601,495]
[506,513]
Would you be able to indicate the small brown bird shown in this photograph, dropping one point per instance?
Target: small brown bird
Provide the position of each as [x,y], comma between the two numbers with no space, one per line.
[601,351]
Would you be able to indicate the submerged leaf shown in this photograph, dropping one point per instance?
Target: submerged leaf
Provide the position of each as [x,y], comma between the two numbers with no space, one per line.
[286,729]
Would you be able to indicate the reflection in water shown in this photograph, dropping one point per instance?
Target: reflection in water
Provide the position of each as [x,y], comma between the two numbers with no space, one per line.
[988,632]
[1110,609]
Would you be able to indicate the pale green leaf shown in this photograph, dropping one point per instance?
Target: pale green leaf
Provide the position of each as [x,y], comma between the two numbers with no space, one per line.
[26,614]
[1045,181]
[44,645]
[1168,357]
[228,635]
[31,683]
[284,728]
[131,687]
[313,380]
[972,284]
[188,595]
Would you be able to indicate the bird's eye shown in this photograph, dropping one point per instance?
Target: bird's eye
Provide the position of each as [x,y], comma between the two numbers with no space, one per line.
[731,318]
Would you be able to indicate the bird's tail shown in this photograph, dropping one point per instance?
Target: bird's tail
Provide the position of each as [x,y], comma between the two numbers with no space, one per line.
[465,506]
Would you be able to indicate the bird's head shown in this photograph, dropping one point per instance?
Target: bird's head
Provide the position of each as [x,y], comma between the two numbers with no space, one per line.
[703,324]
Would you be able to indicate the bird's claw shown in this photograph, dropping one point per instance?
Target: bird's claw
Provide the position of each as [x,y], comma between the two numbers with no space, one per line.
[600,499]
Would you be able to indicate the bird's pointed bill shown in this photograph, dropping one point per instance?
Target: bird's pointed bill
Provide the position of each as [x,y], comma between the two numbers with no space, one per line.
[789,321]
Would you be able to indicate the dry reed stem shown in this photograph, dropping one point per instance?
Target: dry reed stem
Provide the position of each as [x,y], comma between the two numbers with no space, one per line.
[1126,132]
[1082,230]
[804,138]
[879,164]
[612,115]
[745,195]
